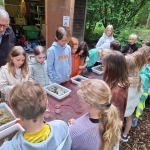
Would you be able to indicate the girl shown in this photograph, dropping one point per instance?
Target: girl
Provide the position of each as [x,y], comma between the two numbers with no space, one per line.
[83,52]
[15,71]
[145,76]
[104,41]
[76,60]
[38,66]
[134,94]
[59,58]
[100,127]
[116,76]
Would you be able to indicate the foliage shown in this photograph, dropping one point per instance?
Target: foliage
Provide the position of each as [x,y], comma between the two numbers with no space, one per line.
[119,13]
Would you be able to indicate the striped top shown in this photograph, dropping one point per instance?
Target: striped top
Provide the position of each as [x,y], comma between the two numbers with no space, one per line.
[85,134]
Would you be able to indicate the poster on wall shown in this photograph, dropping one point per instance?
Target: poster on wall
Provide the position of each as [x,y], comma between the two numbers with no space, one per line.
[66,20]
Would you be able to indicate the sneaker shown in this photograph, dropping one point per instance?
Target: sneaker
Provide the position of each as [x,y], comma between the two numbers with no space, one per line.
[134,122]
[125,138]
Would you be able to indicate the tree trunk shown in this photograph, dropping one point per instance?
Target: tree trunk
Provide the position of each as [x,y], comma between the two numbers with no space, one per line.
[148,21]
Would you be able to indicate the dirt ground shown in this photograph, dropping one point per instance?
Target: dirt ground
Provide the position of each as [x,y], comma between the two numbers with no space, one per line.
[140,135]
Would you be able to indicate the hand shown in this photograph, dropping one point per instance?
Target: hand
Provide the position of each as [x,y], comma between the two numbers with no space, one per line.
[70,122]
[81,67]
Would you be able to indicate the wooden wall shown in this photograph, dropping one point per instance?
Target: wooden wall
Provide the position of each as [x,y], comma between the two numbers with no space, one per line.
[55,10]
[79,19]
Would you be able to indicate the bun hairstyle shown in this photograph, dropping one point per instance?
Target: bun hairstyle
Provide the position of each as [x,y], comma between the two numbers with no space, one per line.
[97,93]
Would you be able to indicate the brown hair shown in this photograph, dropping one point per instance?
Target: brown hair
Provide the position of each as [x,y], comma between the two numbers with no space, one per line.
[139,58]
[109,27]
[73,41]
[97,93]
[28,100]
[115,69]
[17,51]
[115,45]
[39,50]
[60,33]
[146,43]
[146,52]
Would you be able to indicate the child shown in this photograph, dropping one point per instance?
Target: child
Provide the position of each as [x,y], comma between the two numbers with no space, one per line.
[134,94]
[145,76]
[104,41]
[83,52]
[115,45]
[76,60]
[116,76]
[59,58]
[100,127]
[15,71]
[28,101]
[147,43]
[131,47]
[38,66]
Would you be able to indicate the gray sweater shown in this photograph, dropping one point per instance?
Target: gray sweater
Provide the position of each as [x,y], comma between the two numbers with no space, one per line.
[59,139]
[39,71]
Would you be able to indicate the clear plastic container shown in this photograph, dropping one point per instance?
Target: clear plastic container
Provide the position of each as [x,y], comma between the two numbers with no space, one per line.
[78,79]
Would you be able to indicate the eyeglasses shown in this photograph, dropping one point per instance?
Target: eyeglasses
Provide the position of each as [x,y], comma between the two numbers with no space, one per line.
[4,26]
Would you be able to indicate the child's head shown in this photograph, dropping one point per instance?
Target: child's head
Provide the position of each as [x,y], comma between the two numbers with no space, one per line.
[28,100]
[61,36]
[132,38]
[104,52]
[109,30]
[17,58]
[40,53]
[115,45]
[131,65]
[74,44]
[147,43]
[96,93]
[83,49]
[115,69]
[146,52]
[139,58]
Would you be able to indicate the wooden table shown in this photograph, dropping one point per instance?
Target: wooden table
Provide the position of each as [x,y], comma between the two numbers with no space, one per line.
[70,106]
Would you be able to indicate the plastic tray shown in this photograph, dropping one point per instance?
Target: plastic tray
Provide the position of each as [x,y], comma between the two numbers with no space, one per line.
[7,134]
[73,79]
[95,69]
[56,95]
[4,126]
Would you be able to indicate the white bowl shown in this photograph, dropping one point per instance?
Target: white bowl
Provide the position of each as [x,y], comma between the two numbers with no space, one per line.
[96,69]
[10,123]
[62,88]
[74,79]
[9,133]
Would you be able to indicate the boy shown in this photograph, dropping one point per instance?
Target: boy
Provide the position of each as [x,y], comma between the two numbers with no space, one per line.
[115,45]
[131,47]
[28,101]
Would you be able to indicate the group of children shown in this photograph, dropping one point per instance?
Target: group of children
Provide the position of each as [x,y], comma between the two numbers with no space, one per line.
[106,102]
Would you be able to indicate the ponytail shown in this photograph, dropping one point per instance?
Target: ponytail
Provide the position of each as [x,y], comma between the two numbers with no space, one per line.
[110,128]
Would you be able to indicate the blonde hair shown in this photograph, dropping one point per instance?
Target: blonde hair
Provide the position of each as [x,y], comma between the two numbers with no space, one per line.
[134,77]
[109,27]
[146,52]
[39,50]
[97,93]
[134,36]
[73,41]
[139,58]
[28,100]
[104,52]
[17,51]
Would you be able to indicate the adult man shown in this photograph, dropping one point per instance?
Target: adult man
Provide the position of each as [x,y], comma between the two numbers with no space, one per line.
[7,36]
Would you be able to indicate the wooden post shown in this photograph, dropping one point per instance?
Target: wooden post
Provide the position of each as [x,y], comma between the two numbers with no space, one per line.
[148,21]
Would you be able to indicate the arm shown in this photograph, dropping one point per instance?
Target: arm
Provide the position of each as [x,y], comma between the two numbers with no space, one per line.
[70,62]
[31,72]
[100,42]
[50,62]
[5,87]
